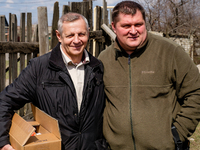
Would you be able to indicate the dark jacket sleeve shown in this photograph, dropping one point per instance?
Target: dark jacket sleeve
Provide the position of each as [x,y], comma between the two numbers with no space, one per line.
[187,84]
[13,97]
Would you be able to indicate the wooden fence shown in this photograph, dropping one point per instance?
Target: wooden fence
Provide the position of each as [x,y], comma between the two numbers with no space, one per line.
[25,44]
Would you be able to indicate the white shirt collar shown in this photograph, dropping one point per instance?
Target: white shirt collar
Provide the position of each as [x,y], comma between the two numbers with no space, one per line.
[67,60]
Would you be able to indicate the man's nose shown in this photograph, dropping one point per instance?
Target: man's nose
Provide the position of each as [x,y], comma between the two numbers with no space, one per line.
[133,30]
[76,39]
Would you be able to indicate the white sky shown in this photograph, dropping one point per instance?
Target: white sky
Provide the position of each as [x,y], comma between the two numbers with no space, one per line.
[23,6]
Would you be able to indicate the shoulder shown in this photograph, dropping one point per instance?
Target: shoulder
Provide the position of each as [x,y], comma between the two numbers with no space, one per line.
[160,40]
[107,53]
[39,62]
[42,58]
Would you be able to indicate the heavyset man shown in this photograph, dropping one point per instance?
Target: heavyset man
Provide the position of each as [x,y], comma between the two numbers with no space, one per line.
[66,83]
[151,84]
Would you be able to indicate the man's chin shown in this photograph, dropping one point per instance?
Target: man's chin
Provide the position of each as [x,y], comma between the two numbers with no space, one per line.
[133,47]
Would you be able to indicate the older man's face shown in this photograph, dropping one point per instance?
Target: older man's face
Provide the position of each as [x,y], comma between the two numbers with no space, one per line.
[74,38]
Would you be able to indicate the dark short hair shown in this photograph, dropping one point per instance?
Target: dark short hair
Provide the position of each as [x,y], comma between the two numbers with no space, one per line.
[126,7]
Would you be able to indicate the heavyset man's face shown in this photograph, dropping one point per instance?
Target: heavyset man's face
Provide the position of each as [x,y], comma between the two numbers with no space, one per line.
[130,30]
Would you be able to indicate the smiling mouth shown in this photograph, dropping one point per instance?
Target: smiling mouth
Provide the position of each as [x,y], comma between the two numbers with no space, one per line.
[134,38]
[77,47]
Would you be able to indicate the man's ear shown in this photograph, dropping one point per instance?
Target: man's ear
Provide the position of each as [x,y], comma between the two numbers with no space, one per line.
[113,26]
[58,35]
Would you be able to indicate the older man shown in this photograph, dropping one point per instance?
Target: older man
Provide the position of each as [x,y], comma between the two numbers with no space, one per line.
[66,83]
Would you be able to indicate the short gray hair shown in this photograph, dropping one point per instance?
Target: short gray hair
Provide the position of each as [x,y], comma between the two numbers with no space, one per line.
[70,17]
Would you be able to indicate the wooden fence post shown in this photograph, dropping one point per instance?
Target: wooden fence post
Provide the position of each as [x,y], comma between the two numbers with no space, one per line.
[105,12]
[54,40]
[66,9]
[13,56]
[29,33]
[22,55]
[43,30]
[97,45]
[2,56]
[22,39]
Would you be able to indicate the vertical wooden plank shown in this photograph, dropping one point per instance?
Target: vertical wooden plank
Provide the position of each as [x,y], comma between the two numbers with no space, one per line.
[90,22]
[110,15]
[54,40]
[98,26]
[35,34]
[15,66]
[105,21]
[10,54]
[29,30]
[15,28]
[22,55]
[84,9]
[76,7]
[43,30]
[28,58]
[26,110]
[105,12]
[22,39]
[66,9]
[10,27]
[2,27]
[29,33]
[2,71]
[29,27]
[90,15]
[22,27]
[10,67]
[2,55]
[35,39]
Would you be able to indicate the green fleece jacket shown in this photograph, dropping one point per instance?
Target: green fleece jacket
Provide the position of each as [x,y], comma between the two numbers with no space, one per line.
[147,91]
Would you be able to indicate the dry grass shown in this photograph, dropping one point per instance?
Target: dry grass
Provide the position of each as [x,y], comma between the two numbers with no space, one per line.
[195,139]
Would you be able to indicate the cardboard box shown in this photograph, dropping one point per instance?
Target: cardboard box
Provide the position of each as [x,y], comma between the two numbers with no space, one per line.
[22,132]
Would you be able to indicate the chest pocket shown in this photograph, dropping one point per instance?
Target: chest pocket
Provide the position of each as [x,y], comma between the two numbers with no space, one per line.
[53,83]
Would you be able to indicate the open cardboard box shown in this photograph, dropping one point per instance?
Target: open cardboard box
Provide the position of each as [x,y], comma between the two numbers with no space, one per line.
[22,132]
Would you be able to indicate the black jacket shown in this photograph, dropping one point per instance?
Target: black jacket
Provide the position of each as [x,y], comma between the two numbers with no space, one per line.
[47,84]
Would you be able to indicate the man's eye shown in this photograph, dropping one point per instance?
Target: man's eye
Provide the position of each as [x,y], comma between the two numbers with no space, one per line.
[81,34]
[138,25]
[69,36]
[126,26]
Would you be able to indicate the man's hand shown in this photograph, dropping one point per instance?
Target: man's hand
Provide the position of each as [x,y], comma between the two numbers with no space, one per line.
[7,147]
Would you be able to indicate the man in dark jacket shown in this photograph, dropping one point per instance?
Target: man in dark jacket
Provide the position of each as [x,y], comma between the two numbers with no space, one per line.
[66,83]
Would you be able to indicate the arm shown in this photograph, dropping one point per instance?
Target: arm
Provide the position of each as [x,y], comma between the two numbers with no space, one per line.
[13,97]
[187,85]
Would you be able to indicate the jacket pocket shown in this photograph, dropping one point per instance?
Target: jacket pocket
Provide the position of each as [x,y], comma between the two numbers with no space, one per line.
[52,84]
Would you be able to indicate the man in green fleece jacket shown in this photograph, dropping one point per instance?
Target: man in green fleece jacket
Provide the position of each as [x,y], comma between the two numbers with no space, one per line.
[150,85]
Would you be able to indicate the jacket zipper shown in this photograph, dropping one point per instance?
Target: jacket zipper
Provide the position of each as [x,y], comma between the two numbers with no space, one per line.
[130,104]
[87,82]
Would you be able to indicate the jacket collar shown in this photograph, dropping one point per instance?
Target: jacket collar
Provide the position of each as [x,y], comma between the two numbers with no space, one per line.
[56,61]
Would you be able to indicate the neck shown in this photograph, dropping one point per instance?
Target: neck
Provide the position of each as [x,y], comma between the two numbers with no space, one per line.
[76,59]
